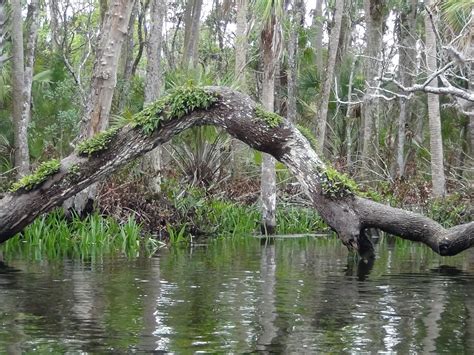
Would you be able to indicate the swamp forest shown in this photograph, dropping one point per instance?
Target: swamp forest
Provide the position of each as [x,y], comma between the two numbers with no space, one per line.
[236,176]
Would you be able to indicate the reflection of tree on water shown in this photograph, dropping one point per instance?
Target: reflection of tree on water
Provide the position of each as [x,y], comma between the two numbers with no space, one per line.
[267,309]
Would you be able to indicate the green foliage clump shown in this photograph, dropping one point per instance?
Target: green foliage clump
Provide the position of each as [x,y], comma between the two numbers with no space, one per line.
[40,175]
[272,119]
[306,132]
[336,184]
[176,104]
[52,236]
[150,117]
[450,211]
[97,143]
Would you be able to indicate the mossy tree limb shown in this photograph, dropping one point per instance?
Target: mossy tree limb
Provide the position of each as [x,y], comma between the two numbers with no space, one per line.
[348,214]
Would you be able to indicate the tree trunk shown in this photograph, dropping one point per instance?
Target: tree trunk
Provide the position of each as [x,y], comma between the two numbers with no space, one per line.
[104,80]
[154,85]
[191,35]
[3,33]
[406,67]
[434,116]
[292,73]
[20,111]
[329,75]
[374,19]
[241,44]
[318,36]
[350,117]
[346,213]
[270,45]
[127,56]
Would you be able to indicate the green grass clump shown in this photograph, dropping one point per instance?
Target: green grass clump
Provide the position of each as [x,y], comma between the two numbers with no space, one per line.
[40,175]
[272,119]
[97,143]
[306,132]
[53,237]
[176,104]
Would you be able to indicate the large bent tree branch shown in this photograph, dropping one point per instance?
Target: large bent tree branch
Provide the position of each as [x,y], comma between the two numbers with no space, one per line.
[347,214]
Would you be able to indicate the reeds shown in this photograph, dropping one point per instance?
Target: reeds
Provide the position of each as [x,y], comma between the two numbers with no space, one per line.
[53,237]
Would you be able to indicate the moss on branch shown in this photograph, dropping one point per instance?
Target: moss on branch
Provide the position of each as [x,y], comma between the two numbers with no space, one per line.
[175,104]
[44,170]
[272,119]
[306,132]
[97,143]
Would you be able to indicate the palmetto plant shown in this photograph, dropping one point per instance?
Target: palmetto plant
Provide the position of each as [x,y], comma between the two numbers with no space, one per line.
[202,160]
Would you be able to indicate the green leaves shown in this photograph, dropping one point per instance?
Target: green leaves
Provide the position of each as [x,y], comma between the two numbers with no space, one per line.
[176,104]
[40,175]
[97,143]
[272,119]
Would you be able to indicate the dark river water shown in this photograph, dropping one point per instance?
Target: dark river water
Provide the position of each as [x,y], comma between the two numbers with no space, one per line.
[294,296]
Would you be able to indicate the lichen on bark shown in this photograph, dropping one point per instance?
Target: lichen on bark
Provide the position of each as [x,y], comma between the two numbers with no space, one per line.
[40,175]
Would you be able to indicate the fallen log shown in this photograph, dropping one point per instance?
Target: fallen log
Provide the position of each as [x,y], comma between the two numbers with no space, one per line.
[333,196]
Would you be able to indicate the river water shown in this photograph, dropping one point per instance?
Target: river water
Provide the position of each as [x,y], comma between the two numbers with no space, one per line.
[292,296]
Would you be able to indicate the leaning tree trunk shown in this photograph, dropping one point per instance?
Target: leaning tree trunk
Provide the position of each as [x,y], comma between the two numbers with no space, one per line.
[346,213]
[329,75]
[434,115]
[104,80]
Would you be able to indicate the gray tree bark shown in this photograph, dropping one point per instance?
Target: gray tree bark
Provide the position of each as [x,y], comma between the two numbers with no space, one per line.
[103,82]
[374,19]
[270,38]
[350,216]
[321,118]
[318,35]
[191,33]
[434,115]
[20,111]
[292,74]
[154,85]
[3,33]
[241,44]
[406,68]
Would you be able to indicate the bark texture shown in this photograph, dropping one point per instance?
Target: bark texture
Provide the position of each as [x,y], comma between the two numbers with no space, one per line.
[374,18]
[348,215]
[241,44]
[406,67]
[434,115]
[154,85]
[191,33]
[270,38]
[20,105]
[329,74]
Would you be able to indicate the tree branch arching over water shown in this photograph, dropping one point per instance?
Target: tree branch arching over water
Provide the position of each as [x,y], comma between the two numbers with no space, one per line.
[334,197]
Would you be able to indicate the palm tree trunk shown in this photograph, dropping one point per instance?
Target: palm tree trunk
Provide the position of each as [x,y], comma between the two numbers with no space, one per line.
[434,116]
[297,15]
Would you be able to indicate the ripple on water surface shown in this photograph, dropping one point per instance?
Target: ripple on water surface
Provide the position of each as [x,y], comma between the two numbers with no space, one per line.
[290,296]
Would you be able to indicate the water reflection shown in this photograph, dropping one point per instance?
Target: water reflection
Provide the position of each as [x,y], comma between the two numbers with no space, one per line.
[241,296]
